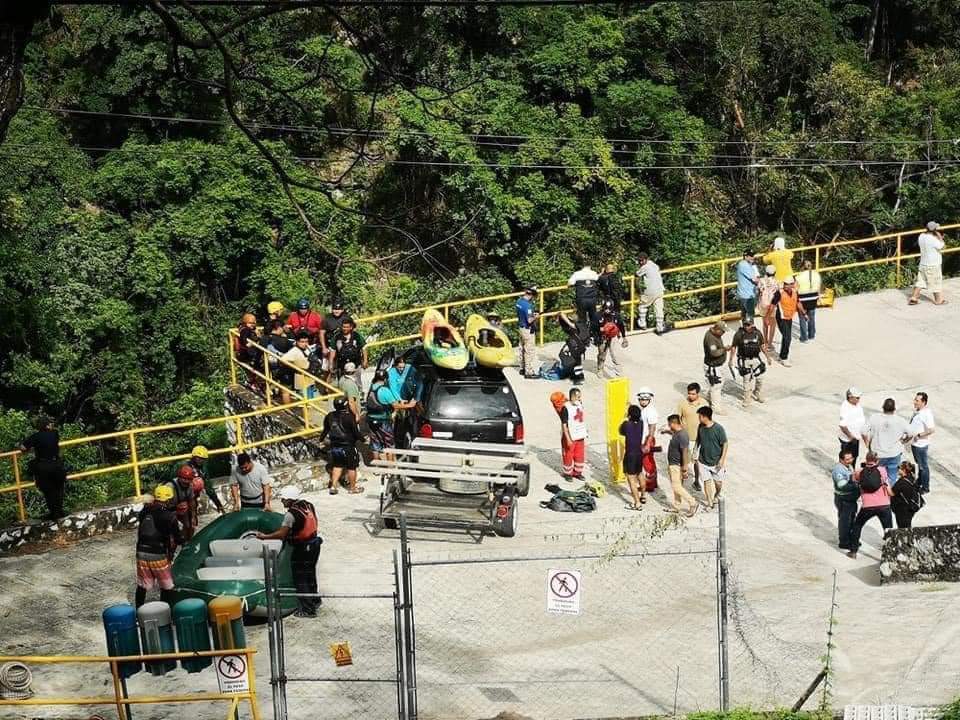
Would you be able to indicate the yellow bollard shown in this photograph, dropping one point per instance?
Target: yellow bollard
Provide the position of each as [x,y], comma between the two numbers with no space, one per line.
[618,398]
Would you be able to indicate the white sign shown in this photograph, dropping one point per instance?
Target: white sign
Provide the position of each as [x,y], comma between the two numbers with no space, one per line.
[564,588]
[232,673]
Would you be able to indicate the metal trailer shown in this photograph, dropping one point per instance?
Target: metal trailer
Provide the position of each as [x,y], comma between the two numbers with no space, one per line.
[450,484]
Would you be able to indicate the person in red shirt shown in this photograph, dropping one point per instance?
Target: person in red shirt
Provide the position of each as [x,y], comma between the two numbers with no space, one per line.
[307,320]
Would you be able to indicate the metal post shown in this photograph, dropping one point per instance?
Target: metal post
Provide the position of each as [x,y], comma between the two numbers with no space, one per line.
[722,608]
[723,288]
[816,258]
[408,630]
[268,591]
[542,318]
[21,508]
[899,257]
[268,380]
[233,360]
[398,641]
[132,438]
[828,657]
[633,302]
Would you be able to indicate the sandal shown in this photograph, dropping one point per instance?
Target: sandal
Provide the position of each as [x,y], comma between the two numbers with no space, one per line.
[643,499]
[913,301]
[633,506]
[356,491]
[333,490]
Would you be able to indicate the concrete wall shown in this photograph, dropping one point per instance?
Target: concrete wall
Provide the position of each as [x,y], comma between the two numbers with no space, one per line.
[922,553]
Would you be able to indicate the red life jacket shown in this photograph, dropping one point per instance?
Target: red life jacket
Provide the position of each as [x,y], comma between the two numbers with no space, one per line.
[304,522]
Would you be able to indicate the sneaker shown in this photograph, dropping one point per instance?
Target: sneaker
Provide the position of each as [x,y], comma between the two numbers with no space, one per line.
[696,486]
[786,363]
[304,614]
[852,554]
[759,398]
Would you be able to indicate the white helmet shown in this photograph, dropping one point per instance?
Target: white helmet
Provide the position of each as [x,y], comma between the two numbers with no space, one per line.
[644,393]
[290,493]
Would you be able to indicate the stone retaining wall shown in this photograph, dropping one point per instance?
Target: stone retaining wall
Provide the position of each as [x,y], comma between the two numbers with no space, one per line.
[922,553]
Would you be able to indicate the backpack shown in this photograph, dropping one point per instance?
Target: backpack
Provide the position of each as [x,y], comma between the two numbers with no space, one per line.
[373,402]
[314,364]
[870,479]
[340,435]
[570,501]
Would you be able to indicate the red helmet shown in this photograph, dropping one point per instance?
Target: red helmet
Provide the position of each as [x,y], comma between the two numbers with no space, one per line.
[185,473]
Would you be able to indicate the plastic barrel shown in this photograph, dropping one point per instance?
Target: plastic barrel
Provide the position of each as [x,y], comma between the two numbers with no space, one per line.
[226,622]
[156,632]
[120,625]
[193,635]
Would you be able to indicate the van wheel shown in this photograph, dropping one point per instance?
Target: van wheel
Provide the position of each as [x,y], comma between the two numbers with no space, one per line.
[507,527]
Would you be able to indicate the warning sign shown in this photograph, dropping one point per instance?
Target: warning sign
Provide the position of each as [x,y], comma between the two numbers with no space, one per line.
[564,588]
[341,654]
[232,674]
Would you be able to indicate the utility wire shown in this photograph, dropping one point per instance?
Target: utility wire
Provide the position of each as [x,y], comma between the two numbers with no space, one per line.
[390,3]
[484,137]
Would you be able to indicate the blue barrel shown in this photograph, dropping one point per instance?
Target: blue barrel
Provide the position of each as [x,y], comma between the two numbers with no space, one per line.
[156,632]
[120,625]
[193,635]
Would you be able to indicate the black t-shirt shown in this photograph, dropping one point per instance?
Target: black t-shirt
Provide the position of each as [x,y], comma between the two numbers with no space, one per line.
[331,327]
[45,444]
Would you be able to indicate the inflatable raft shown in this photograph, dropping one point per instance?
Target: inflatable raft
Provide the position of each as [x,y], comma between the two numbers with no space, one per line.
[442,342]
[490,346]
[225,558]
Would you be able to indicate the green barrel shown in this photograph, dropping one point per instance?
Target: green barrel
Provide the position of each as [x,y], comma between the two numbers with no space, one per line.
[193,635]
[156,634]
[120,625]
[226,622]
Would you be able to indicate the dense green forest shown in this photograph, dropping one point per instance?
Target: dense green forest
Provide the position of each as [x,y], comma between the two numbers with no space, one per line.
[169,168]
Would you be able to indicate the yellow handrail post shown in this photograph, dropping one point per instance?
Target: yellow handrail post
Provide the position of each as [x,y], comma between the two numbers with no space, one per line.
[135,461]
[723,288]
[633,302]
[542,319]
[268,388]
[21,508]
[306,416]
[117,693]
[446,312]
[816,258]
[899,257]
[254,708]
[239,427]
[233,362]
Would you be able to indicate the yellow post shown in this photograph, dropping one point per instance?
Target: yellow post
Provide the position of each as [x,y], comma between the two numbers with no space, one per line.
[816,259]
[446,313]
[254,708]
[618,398]
[117,692]
[306,415]
[239,427]
[633,302]
[233,361]
[21,508]
[132,439]
[268,390]
[899,257]
[723,288]
[542,318]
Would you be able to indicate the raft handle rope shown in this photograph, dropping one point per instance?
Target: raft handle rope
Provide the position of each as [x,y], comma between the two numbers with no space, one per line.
[15,681]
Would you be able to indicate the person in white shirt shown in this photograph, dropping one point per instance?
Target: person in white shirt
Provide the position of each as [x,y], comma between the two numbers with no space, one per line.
[852,422]
[922,427]
[885,434]
[650,417]
[930,271]
[653,290]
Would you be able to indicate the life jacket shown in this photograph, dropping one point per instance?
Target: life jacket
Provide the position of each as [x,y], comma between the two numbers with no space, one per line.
[576,425]
[750,344]
[788,305]
[183,496]
[150,539]
[808,287]
[304,522]
[348,350]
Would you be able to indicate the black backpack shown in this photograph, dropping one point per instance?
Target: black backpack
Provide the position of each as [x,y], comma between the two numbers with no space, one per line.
[373,403]
[570,501]
[870,479]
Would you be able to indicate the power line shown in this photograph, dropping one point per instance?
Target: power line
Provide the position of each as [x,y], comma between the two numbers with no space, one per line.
[488,138]
[294,4]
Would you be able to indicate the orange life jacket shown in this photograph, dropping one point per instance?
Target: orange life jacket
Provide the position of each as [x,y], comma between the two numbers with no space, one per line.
[305,522]
[788,305]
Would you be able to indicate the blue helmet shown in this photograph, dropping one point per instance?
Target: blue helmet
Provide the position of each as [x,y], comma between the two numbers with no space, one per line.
[303,304]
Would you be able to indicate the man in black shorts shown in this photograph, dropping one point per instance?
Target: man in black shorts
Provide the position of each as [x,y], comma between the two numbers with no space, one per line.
[341,427]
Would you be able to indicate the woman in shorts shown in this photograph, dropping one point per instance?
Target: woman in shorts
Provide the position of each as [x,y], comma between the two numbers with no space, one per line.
[632,431]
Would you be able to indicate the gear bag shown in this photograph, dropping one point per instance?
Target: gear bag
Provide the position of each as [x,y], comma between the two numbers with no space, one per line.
[570,501]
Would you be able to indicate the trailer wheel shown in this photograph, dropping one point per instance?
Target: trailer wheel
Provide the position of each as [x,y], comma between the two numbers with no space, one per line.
[507,527]
[389,523]
[523,485]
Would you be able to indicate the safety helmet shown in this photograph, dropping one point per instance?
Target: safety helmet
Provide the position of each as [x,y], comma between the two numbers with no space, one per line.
[336,304]
[275,307]
[200,451]
[303,304]
[644,393]
[249,318]
[608,305]
[163,493]
[341,403]
[185,473]
[290,493]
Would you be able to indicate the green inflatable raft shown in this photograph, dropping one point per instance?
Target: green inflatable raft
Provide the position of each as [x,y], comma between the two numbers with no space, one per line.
[225,558]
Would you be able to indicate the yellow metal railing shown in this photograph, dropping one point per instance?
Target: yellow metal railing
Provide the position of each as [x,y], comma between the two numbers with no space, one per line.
[121,701]
[722,266]
[303,406]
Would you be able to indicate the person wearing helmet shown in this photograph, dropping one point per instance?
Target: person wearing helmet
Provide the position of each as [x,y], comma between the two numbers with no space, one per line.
[613,336]
[158,535]
[344,433]
[787,306]
[246,353]
[185,499]
[306,320]
[350,348]
[381,404]
[650,417]
[274,311]
[330,329]
[46,467]
[201,483]
[746,350]
[299,530]
[278,344]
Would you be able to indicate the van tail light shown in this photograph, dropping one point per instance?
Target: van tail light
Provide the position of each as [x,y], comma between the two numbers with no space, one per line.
[518,433]
[426,431]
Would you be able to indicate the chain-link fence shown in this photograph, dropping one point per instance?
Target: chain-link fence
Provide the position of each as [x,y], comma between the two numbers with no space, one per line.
[644,640]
